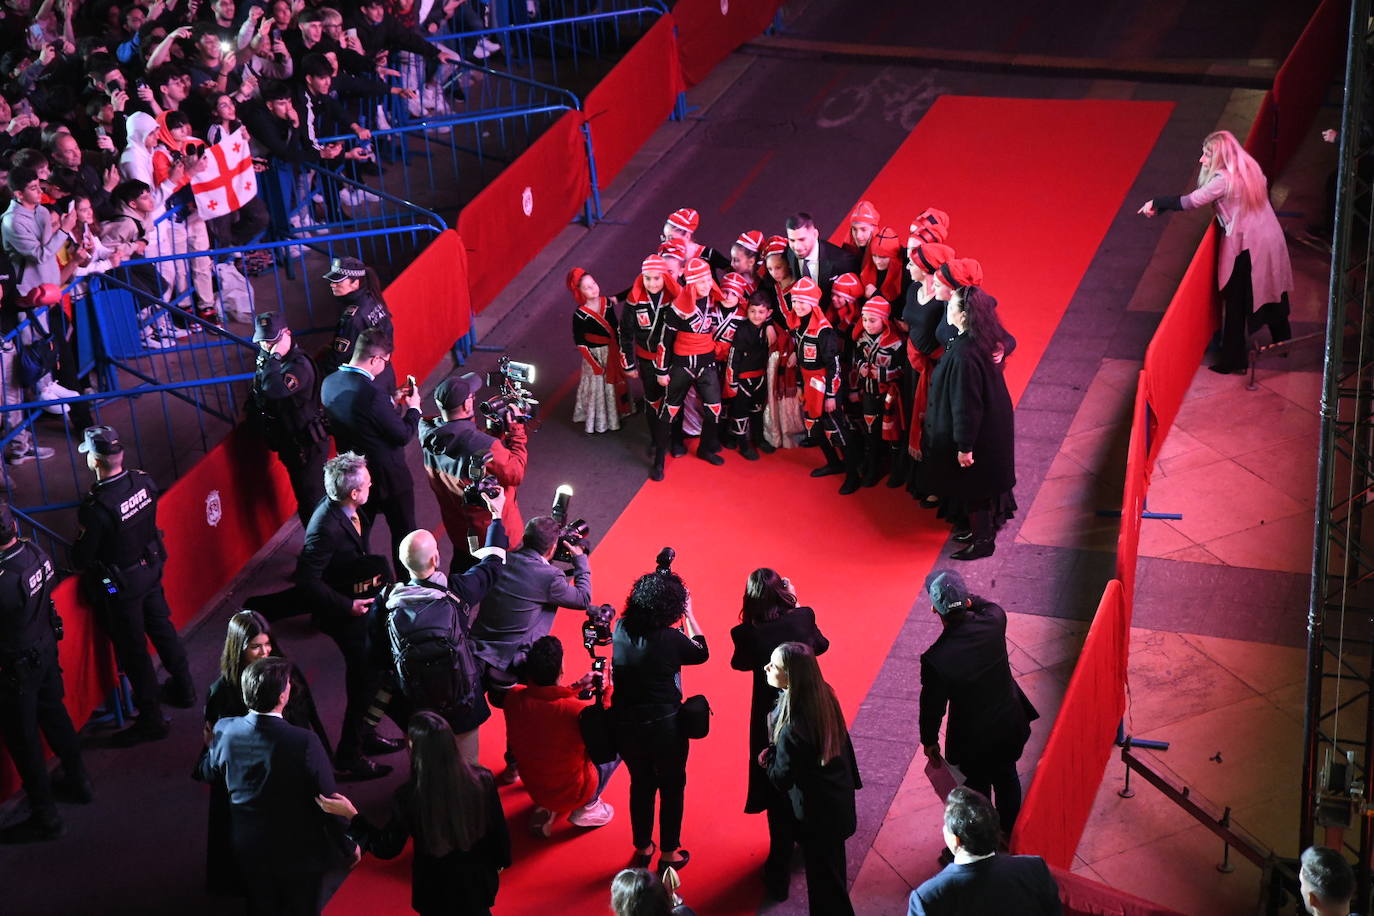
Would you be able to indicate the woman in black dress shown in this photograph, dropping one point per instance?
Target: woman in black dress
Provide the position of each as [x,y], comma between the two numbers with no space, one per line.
[770,617]
[249,638]
[812,760]
[451,809]
[968,442]
[649,652]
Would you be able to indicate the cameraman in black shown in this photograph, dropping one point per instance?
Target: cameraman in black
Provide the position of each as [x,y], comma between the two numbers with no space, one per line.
[31,687]
[520,607]
[118,550]
[451,444]
[286,401]
[649,653]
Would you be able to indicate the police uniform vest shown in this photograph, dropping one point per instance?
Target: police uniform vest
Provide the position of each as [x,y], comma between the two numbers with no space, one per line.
[286,396]
[361,310]
[126,507]
[26,613]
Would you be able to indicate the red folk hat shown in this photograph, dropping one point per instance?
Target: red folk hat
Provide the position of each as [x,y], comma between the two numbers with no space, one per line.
[931,256]
[962,272]
[878,307]
[805,290]
[698,270]
[738,284]
[776,244]
[931,225]
[674,248]
[864,212]
[884,243]
[575,283]
[847,285]
[685,219]
[654,264]
[750,241]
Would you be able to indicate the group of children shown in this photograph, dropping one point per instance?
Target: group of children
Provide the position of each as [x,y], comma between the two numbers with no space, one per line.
[799,342]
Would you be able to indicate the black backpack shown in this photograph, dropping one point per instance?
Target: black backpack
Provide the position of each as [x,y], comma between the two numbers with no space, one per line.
[435,667]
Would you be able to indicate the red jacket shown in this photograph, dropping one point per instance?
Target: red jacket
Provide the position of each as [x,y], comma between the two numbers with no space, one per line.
[542,733]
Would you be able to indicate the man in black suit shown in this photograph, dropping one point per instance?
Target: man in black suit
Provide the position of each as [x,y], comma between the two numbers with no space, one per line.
[966,670]
[979,882]
[810,256]
[274,771]
[376,424]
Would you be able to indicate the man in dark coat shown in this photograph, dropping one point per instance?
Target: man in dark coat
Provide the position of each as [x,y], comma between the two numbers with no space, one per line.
[967,672]
[979,882]
[286,402]
[366,419]
[808,255]
[274,771]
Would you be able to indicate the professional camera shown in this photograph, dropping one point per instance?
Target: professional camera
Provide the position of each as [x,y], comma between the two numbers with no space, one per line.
[664,561]
[572,533]
[474,468]
[513,400]
[596,633]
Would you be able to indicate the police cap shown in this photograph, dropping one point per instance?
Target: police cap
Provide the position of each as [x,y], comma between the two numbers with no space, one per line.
[268,326]
[345,269]
[102,440]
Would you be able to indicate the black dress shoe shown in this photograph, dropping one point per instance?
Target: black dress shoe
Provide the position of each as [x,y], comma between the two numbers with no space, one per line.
[850,485]
[975,551]
[180,697]
[711,458]
[748,454]
[34,829]
[376,744]
[677,449]
[765,447]
[73,790]
[360,769]
[828,470]
[1227,370]
[140,732]
[963,536]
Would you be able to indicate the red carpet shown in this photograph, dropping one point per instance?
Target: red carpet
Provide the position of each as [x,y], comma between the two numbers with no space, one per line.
[1031,187]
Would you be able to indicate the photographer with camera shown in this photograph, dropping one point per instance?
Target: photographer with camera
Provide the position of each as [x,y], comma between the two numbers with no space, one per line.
[458,454]
[31,687]
[520,608]
[650,651]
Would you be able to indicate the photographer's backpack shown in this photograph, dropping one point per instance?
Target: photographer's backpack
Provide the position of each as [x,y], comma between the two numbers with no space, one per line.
[435,666]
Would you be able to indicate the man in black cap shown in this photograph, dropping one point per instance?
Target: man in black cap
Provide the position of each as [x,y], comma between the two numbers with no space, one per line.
[356,287]
[966,670]
[31,687]
[365,418]
[286,401]
[450,445]
[119,552]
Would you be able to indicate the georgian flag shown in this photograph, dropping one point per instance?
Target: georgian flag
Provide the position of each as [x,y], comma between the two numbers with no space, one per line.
[226,181]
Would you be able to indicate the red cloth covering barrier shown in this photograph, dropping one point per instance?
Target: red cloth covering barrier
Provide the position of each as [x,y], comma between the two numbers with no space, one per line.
[433,289]
[1300,85]
[631,101]
[708,30]
[1084,897]
[529,203]
[1061,797]
[1133,495]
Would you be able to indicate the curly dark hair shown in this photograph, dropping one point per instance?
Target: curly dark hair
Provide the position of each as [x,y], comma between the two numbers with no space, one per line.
[657,600]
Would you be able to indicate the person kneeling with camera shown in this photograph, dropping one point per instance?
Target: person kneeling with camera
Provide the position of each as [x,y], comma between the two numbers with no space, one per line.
[543,733]
[520,607]
[458,454]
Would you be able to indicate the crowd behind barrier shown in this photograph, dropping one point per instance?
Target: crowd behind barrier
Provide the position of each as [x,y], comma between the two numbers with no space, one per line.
[1070,771]
[235,498]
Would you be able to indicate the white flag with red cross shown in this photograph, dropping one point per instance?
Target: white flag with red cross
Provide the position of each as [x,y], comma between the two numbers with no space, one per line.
[226,181]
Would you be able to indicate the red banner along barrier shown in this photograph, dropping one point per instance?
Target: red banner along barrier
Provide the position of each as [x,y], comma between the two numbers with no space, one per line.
[708,30]
[634,99]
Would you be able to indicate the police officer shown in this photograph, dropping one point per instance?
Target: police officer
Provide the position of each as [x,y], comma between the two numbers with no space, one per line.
[359,292]
[119,552]
[31,687]
[286,400]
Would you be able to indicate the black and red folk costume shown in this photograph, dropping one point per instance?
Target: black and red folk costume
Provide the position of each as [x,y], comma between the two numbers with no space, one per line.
[746,383]
[637,328]
[603,392]
[879,367]
[817,350]
[685,356]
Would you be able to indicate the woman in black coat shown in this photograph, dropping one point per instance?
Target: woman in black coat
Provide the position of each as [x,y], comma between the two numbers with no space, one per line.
[770,617]
[968,442]
[248,639]
[648,654]
[453,812]
[811,759]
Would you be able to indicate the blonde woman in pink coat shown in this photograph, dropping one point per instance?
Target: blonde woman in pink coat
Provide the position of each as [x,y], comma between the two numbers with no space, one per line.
[1254,272]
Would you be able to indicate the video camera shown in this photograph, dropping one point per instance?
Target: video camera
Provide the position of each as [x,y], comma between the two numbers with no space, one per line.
[512,400]
[596,633]
[484,484]
[572,533]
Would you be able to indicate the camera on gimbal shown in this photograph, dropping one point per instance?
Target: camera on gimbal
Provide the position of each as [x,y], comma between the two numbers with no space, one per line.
[474,468]
[513,401]
[596,633]
[570,534]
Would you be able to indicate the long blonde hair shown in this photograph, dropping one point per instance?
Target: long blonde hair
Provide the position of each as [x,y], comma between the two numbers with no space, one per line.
[808,704]
[1248,183]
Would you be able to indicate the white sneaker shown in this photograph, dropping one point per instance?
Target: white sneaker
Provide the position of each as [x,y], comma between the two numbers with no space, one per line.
[152,342]
[382,122]
[596,814]
[51,392]
[532,8]
[490,46]
[15,457]
[541,822]
[429,96]
[480,52]
[168,331]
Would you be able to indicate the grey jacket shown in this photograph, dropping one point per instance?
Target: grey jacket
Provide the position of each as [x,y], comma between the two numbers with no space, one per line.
[32,244]
[520,606]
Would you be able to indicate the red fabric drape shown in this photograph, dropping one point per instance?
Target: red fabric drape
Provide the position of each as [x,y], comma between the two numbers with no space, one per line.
[434,288]
[521,211]
[634,99]
[1083,897]
[1301,83]
[708,30]
[1061,797]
